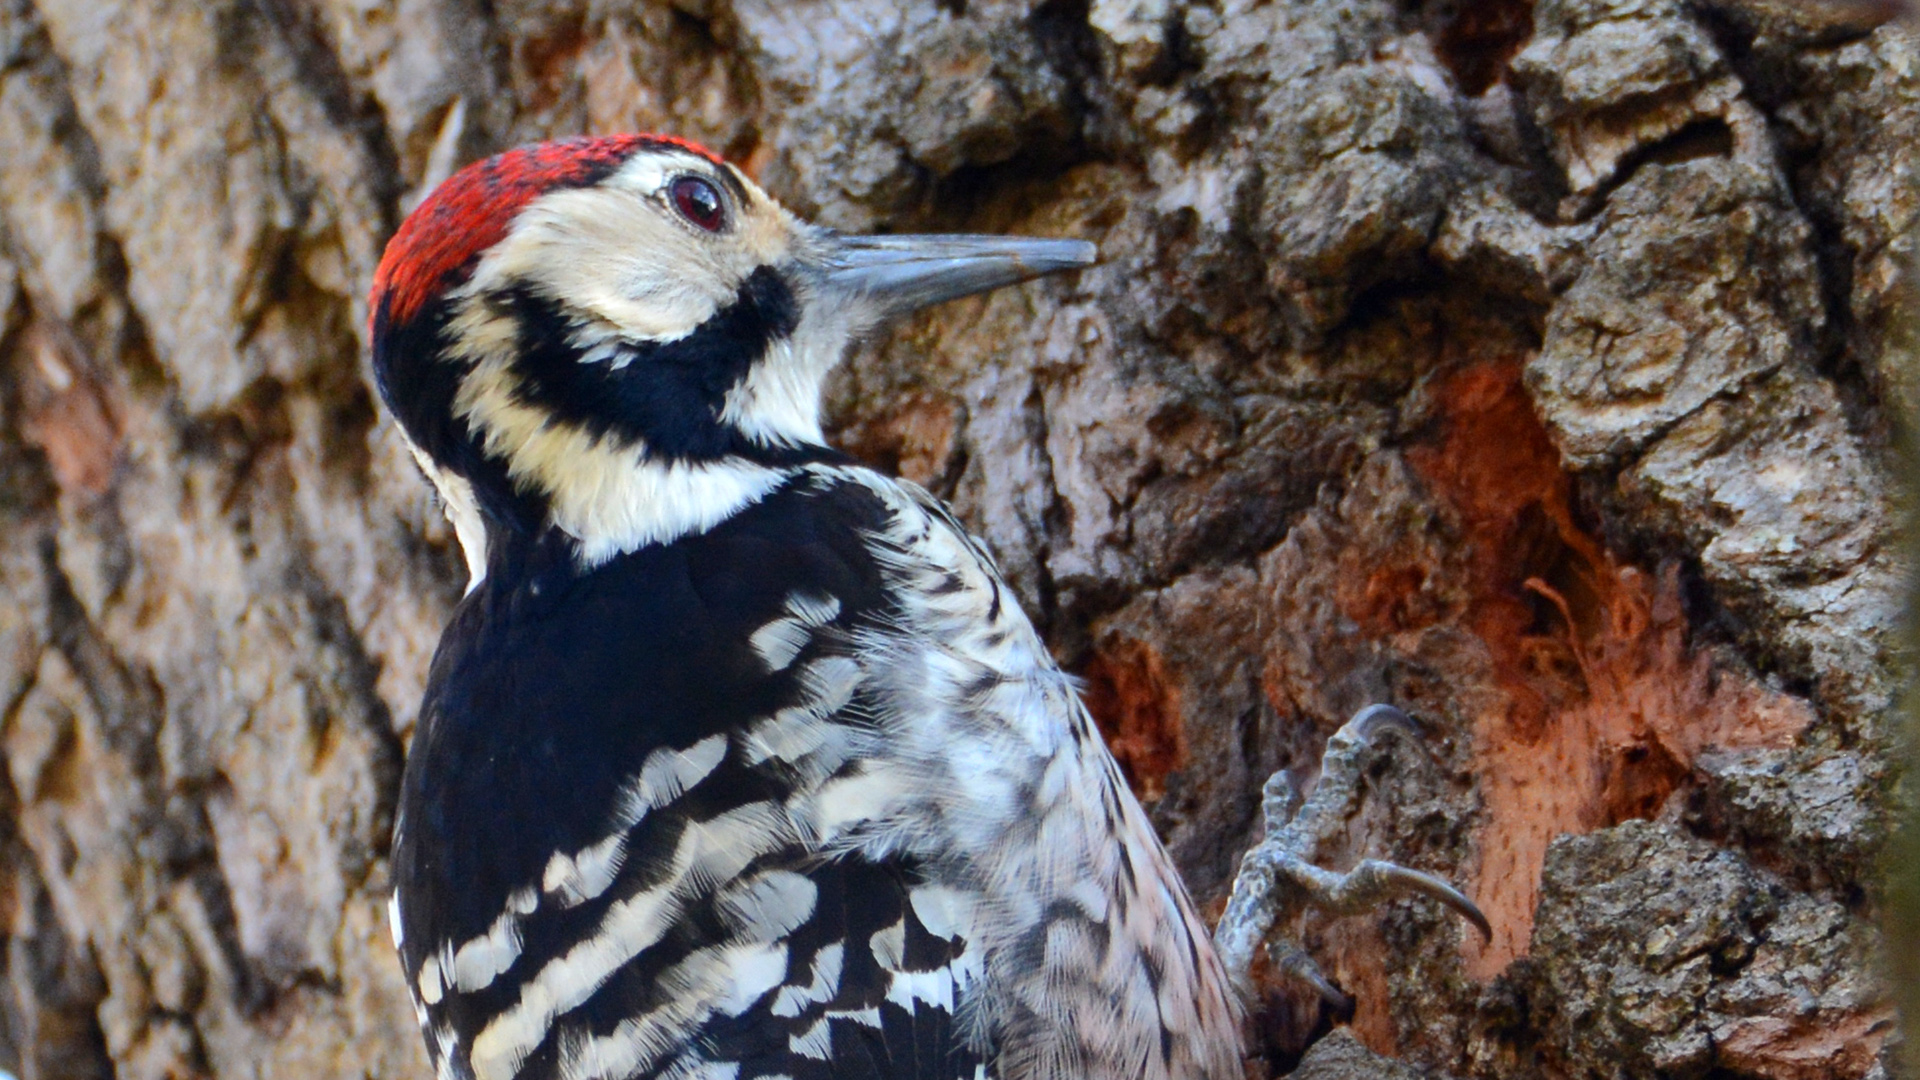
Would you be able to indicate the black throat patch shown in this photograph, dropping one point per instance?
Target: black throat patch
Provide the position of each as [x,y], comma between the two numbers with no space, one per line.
[667,395]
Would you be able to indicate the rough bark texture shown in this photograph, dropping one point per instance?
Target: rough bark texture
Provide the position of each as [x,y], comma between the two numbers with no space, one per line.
[1533,366]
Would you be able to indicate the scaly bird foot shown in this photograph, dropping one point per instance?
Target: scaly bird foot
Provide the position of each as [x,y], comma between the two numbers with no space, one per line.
[1278,878]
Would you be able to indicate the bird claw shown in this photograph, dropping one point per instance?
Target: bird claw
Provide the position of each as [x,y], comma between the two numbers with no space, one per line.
[1388,880]
[1278,878]
[1384,720]
[1294,961]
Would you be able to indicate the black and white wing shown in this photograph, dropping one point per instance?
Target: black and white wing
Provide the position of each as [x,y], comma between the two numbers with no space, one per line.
[644,852]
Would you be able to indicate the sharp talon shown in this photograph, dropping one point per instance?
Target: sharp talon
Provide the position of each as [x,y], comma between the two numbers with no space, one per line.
[1427,885]
[1375,719]
[1301,966]
[1383,719]
[1471,912]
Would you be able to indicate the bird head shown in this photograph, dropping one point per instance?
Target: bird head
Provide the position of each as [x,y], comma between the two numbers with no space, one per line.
[624,339]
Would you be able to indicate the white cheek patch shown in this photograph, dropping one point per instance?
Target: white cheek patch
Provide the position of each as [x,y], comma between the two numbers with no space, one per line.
[778,402]
[614,254]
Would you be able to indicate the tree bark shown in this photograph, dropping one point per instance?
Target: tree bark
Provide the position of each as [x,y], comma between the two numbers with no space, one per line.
[1537,367]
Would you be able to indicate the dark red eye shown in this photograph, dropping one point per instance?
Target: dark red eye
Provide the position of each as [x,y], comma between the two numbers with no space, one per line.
[699,203]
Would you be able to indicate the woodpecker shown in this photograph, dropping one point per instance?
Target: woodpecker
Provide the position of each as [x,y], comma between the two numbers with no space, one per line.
[738,759]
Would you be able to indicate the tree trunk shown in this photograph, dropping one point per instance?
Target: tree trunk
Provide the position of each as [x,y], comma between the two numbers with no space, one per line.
[1535,367]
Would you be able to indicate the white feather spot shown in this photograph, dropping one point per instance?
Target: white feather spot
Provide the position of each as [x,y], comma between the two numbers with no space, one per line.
[935,988]
[481,959]
[889,946]
[788,735]
[770,905]
[945,912]
[778,642]
[870,1016]
[431,988]
[445,1044]
[814,611]
[393,920]
[825,983]
[868,795]
[816,1042]
[753,975]
[666,775]
[578,878]
[829,684]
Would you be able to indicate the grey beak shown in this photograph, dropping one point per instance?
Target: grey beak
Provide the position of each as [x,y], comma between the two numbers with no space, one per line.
[902,274]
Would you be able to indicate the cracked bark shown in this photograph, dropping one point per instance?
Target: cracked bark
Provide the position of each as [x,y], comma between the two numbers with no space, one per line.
[1538,367]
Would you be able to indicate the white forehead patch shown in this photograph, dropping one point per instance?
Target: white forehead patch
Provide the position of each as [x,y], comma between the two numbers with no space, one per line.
[646,173]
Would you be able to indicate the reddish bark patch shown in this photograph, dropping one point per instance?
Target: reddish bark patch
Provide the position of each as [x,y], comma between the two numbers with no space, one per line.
[1495,466]
[1137,708]
[1390,597]
[1480,37]
[65,412]
[916,440]
[552,60]
[1607,704]
[1804,1047]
